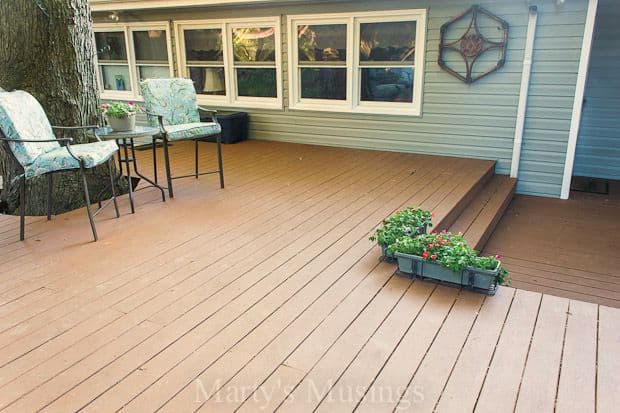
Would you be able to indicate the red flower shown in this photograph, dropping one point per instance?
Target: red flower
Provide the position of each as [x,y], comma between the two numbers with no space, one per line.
[433,257]
[425,254]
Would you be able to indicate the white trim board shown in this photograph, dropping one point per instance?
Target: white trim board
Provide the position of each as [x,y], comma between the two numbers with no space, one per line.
[582,78]
[117,5]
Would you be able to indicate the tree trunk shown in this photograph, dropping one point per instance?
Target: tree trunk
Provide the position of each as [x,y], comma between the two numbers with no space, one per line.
[46,49]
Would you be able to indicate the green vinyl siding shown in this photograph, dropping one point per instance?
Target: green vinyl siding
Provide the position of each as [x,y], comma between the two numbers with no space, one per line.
[475,121]
[598,146]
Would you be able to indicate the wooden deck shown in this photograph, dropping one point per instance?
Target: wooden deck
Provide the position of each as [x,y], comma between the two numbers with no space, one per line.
[567,248]
[268,295]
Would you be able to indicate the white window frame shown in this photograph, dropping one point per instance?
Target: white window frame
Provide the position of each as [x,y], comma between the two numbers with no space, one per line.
[134,75]
[231,98]
[353,103]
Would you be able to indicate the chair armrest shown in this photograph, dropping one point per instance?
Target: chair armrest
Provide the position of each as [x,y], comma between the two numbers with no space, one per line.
[212,112]
[92,128]
[36,140]
[160,120]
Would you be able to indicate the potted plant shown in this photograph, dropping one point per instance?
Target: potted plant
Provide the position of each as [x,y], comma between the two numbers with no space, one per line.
[408,222]
[486,273]
[120,116]
[447,257]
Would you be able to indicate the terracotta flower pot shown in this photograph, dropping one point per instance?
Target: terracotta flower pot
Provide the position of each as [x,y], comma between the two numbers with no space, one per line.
[123,124]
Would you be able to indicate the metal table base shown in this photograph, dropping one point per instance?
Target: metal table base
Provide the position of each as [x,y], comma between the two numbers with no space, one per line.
[127,157]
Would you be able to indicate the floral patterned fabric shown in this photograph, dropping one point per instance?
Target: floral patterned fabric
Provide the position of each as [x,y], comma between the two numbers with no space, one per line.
[59,159]
[192,130]
[22,117]
[174,99]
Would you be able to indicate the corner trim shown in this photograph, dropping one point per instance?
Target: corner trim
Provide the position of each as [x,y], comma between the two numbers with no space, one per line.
[582,77]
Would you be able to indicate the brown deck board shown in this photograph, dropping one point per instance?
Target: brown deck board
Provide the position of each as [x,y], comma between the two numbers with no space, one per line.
[577,387]
[405,359]
[540,377]
[501,384]
[270,287]
[462,389]
[608,351]
[566,248]
[425,389]
[367,364]
[183,344]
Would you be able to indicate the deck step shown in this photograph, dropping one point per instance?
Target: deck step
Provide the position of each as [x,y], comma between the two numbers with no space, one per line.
[454,204]
[479,219]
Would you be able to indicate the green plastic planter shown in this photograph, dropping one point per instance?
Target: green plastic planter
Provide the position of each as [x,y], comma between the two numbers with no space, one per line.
[476,279]
[485,280]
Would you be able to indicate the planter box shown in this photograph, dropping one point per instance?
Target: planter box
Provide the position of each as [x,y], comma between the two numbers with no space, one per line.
[386,256]
[476,279]
[481,279]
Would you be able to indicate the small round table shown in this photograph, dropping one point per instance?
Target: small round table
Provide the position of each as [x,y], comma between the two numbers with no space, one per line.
[125,141]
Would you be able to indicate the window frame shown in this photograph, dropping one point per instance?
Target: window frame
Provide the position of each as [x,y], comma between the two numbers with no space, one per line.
[353,102]
[231,98]
[134,75]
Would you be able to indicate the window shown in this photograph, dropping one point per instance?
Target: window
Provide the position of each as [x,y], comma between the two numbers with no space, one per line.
[233,63]
[365,62]
[128,54]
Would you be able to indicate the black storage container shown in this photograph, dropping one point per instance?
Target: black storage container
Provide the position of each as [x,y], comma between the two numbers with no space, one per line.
[234,126]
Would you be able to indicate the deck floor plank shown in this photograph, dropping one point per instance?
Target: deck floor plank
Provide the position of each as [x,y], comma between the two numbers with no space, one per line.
[542,369]
[428,382]
[577,387]
[501,384]
[608,361]
[254,295]
[359,235]
[465,382]
[198,313]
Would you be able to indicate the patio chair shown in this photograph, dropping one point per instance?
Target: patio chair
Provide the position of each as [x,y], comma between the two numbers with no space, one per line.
[171,106]
[28,136]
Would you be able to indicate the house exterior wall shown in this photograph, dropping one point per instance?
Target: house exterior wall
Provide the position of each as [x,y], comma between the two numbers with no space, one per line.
[476,121]
[598,146]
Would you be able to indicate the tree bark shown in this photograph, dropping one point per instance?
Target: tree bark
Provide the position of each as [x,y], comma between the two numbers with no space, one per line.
[46,49]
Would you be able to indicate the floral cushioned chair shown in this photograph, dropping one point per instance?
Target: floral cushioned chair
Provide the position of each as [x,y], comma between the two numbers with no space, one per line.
[171,106]
[29,137]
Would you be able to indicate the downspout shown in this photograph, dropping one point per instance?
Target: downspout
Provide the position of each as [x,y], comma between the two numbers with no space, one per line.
[524,91]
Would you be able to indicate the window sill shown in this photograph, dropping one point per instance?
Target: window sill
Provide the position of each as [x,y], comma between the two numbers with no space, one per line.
[365,110]
[240,104]
[126,95]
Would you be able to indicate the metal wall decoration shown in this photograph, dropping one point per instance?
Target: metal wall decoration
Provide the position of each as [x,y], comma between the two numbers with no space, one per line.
[472,44]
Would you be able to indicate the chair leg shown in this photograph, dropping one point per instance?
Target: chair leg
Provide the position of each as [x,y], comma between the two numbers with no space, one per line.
[111,172]
[167,162]
[154,159]
[196,156]
[219,160]
[49,196]
[22,207]
[87,200]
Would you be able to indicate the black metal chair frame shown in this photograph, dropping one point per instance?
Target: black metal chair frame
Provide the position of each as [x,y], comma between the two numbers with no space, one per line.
[163,136]
[82,169]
